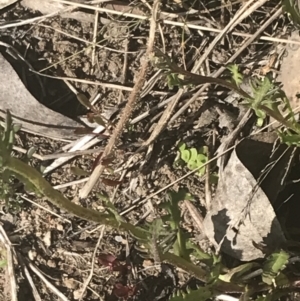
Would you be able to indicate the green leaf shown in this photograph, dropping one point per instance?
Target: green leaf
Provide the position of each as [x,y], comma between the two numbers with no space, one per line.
[198,252]
[292,9]
[201,294]
[30,152]
[110,207]
[288,138]
[237,77]
[3,263]
[185,155]
[237,272]
[274,264]
[260,113]
[99,120]
[84,101]
[216,269]
[192,165]
[201,159]
[194,154]
[181,146]
[260,122]
[17,127]
[173,219]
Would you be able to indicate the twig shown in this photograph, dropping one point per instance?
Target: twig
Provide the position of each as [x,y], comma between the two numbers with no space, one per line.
[82,144]
[35,292]
[86,283]
[36,19]
[208,193]
[64,185]
[97,83]
[134,95]
[59,155]
[244,12]
[54,290]
[95,36]
[97,45]
[196,216]
[42,207]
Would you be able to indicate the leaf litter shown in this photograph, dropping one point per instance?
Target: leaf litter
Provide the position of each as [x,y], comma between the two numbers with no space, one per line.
[259,223]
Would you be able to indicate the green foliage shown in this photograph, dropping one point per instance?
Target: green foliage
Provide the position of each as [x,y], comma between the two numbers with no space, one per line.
[173,219]
[215,269]
[274,264]
[265,95]
[7,138]
[292,9]
[7,183]
[174,80]
[192,157]
[237,77]
[162,230]
[199,254]
[110,208]
[235,274]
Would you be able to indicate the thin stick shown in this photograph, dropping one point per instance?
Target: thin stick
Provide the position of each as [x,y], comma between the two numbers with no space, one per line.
[47,210]
[134,95]
[86,283]
[95,36]
[54,290]
[59,155]
[35,292]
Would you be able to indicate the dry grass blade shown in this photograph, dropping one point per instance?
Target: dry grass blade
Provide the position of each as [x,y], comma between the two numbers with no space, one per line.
[45,209]
[134,95]
[10,265]
[196,216]
[82,144]
[38,273]
[35,292]
[86,283]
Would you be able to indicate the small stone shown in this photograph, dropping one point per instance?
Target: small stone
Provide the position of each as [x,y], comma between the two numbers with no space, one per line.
[47,239]
[51,263]
[32,254]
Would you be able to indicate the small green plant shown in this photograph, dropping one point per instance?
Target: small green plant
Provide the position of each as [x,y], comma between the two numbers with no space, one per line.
[267,100]
[192,157]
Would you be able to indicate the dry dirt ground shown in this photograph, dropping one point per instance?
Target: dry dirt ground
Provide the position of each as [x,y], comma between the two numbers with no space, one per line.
[62,247]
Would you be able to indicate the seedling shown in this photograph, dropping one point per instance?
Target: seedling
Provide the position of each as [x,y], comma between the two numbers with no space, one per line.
[192,157]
